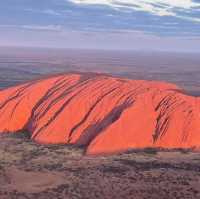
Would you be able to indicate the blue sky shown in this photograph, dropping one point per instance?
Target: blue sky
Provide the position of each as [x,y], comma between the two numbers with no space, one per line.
[171,25]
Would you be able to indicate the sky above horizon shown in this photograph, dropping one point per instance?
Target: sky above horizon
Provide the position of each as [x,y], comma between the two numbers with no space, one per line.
[167,25]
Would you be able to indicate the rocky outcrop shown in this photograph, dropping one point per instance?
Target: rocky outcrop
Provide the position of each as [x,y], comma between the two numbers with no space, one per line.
[102,113]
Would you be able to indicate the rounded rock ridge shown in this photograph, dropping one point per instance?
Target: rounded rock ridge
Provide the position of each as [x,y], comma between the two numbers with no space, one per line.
[103,113]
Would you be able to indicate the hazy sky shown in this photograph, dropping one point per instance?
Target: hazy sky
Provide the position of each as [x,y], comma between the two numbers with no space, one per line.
[172,25]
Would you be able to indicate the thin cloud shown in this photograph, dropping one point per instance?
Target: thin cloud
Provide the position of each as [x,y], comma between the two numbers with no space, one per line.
[47,11]
[55,28]
[155,7]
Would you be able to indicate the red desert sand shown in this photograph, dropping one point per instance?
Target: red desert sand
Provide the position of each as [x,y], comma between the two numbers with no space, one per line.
[105,114]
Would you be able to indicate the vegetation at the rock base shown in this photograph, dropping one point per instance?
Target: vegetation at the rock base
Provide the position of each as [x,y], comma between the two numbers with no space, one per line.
[157,150]
[23,134]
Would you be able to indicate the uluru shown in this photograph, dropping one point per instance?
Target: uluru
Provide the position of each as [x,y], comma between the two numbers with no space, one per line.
[104,114]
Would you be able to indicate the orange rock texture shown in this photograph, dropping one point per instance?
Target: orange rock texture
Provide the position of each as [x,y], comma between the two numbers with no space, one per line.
[104,114]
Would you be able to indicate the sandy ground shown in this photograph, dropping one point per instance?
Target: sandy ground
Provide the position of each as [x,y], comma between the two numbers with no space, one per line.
[29,171]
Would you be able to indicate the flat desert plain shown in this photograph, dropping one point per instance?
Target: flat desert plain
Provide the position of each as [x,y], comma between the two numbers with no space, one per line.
[29,170]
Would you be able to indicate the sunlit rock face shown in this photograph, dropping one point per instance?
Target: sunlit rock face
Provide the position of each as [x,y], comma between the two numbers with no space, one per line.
[102,113]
